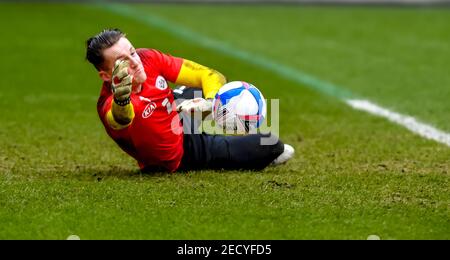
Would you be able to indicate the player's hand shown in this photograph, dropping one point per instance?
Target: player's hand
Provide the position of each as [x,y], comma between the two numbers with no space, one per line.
[195,105]
[121,81]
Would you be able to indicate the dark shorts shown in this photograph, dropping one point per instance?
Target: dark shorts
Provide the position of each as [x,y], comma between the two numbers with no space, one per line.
[206,151]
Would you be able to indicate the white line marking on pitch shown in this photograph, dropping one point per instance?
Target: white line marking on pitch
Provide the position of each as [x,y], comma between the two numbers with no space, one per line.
[409,122]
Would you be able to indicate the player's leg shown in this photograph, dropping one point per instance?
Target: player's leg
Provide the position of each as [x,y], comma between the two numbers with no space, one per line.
[204,151]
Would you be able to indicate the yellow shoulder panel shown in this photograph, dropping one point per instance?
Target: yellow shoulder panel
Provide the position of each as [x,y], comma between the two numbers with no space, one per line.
[193,74]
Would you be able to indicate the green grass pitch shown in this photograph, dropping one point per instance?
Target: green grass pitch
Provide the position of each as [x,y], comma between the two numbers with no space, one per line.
[353,174]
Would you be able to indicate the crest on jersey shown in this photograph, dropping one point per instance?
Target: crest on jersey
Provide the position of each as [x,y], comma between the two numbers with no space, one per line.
[161,83]
[148,110]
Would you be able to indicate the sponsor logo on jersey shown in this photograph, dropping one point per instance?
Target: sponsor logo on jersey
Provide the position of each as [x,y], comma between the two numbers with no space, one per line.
[148,110]
[161,83]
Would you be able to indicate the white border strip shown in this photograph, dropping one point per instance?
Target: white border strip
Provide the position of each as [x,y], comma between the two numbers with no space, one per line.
[409,122]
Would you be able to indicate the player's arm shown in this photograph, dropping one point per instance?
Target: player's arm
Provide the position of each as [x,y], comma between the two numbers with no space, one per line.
[121,113]
[120,117]
[195,75]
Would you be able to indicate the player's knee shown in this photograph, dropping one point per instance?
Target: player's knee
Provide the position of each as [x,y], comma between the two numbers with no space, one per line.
[183,93]
[274,143]
[278,148]
[271,139]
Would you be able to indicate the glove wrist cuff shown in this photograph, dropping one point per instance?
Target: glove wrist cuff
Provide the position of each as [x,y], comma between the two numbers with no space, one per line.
[122,102]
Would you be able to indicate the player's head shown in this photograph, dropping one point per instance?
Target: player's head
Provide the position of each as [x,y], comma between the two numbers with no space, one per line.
[103,49]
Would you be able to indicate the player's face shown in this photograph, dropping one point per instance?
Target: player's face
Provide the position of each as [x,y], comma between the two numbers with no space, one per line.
[123,50]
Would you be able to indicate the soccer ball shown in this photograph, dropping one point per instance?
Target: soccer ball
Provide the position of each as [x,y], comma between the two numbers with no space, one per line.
[239,106]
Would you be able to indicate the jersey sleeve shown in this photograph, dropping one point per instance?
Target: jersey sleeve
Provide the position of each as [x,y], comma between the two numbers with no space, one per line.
[112,114]
[196,75]
[103,106]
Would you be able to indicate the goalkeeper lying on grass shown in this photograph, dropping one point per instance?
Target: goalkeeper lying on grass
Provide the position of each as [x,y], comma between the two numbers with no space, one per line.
[135,106]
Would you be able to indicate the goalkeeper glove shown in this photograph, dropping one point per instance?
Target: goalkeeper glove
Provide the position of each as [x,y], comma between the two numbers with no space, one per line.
[121,83]
[195,105]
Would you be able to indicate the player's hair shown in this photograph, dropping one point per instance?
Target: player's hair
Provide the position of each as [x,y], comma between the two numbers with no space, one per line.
[96,44]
